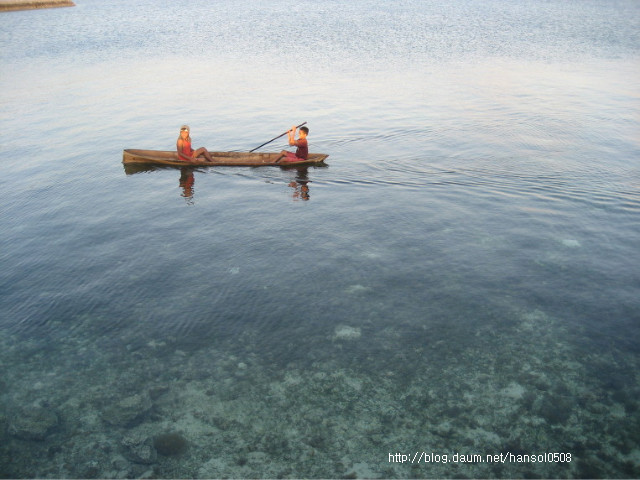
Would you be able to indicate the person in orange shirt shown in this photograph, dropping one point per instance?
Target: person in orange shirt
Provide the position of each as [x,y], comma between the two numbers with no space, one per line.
[185,152]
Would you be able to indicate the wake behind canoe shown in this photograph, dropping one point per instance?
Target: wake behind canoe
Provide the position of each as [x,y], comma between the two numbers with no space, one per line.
[222,159]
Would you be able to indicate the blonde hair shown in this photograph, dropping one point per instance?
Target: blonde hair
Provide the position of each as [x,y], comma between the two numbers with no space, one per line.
[185,127]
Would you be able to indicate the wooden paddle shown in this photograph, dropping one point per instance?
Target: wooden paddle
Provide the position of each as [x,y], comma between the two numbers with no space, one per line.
[276,138]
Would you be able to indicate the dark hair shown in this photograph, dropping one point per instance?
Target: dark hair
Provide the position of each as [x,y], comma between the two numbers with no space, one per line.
[305,130]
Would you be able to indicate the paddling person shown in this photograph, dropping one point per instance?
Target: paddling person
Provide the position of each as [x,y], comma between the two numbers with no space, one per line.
[302,152]
[185,152]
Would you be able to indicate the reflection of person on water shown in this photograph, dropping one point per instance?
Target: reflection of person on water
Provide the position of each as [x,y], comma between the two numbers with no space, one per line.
[302,152]
[300,185]
[185,152]
[186,183]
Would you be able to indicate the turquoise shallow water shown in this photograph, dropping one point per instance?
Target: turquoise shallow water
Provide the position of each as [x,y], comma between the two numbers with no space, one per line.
[461,278]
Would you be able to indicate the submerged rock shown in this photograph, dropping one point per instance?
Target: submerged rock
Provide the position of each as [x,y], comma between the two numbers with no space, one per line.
[169,444]
[345,332]
[361,470]
[571,243]
[33,423]
[127,411]
[356,289]
[157,391]
[138,448]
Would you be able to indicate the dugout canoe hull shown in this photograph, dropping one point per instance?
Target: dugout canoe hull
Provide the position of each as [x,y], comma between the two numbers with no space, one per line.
[221,159]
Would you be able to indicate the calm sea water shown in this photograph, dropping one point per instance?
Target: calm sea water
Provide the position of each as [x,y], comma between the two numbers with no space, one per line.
[463,277]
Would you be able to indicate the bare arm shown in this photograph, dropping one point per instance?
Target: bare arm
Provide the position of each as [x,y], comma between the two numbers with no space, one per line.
[292,136]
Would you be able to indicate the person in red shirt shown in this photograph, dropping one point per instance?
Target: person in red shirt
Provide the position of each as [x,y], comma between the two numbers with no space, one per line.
[185,152]
[302,152]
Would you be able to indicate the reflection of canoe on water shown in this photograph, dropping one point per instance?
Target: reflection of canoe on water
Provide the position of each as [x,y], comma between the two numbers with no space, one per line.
[246,159]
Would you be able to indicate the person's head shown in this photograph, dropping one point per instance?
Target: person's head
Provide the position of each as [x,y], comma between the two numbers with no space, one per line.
[304,131]
[184,131]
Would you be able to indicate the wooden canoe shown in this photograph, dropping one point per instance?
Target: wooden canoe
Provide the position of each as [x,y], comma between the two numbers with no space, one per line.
[222,159]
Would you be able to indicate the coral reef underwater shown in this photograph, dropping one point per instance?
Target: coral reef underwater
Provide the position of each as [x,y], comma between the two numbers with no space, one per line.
[358,395]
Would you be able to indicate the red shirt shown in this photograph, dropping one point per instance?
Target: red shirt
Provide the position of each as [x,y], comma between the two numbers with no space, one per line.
[303,150]
[186,148]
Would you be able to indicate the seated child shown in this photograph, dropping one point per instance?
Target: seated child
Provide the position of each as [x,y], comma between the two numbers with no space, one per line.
[185,152]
